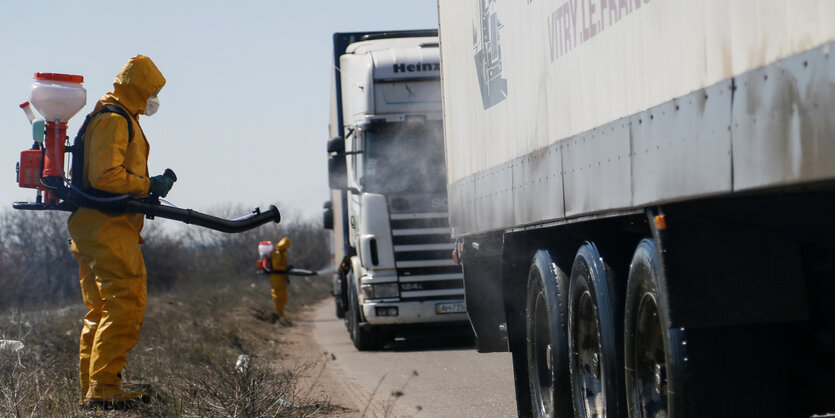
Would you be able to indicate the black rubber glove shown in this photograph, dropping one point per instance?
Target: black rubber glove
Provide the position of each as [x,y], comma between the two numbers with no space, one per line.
[160,185]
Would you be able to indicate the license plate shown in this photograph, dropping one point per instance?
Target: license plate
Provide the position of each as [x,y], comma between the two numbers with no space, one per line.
[454,307]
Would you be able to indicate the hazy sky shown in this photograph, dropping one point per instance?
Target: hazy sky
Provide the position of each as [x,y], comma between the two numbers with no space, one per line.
[244,113]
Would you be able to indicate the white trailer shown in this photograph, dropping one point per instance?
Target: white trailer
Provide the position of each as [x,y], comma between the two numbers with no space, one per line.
[642,195]
[388,211]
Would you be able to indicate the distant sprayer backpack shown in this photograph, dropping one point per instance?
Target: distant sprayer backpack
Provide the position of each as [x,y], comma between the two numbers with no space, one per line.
[78,147]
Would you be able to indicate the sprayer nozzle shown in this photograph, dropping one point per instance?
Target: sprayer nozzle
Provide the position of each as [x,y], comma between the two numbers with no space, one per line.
[170,174]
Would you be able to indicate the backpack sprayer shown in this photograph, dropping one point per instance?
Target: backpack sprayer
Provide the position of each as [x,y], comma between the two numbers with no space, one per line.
[58,97]
[265,250]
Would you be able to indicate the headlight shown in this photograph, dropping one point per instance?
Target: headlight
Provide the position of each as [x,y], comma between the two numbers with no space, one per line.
[380,291]
[388,290]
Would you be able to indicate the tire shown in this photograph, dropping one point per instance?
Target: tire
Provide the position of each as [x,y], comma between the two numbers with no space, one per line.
[653,351]
[364,339]
[546,338]
[350,314]
[340,300]
[595,335]
[340,310]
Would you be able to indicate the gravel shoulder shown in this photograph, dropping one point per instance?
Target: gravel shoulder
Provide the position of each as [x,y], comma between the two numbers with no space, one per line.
[320,377]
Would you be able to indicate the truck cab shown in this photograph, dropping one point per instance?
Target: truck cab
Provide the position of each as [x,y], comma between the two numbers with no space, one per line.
[387,168]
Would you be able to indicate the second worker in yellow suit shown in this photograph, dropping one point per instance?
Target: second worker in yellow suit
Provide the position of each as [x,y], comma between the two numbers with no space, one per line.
[106,244]
[279,281]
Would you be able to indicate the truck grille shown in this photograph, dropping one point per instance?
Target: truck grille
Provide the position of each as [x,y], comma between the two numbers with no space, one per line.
[422,254]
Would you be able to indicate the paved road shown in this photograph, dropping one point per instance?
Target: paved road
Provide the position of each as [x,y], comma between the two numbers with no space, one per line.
[437,379]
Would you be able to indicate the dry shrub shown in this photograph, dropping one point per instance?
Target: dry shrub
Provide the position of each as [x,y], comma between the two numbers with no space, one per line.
[38,269]
[35,260]
[41,379]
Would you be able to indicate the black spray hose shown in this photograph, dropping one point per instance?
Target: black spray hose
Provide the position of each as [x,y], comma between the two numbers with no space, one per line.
[73,197]
[254,219]
[290,272]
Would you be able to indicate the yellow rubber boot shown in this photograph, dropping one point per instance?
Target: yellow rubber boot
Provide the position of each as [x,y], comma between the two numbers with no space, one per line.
[118,400]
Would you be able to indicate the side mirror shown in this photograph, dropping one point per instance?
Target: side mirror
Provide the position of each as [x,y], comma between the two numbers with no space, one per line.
[337,172]
[336,145]
[327,215]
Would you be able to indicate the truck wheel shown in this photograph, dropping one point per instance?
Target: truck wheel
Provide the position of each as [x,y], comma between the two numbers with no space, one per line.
[341,300]
[654,353]
[546,343]
[595,337]
[340,310]
[347,295]
[363,339]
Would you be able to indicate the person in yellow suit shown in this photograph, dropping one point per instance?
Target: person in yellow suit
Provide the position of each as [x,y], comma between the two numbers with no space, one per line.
[279,281]
[106,244]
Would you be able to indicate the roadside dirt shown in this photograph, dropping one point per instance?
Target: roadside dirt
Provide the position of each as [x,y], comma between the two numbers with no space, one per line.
[295,348]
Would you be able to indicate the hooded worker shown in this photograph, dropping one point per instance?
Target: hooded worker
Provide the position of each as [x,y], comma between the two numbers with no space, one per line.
[279,281]
[106,244]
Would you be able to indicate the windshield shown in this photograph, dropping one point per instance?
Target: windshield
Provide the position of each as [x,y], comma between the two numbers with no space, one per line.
[405,157]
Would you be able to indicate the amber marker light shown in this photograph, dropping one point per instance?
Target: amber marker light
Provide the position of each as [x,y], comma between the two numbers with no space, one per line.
[660,222]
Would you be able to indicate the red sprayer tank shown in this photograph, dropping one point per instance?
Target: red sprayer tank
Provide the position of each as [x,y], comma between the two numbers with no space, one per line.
[265,248]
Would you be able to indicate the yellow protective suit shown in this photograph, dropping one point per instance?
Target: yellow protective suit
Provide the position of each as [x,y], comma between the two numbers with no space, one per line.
[279,281]
[111,268]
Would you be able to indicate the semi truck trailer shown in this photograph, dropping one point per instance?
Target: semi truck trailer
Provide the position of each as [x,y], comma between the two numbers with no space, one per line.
[388,207]
[642,194]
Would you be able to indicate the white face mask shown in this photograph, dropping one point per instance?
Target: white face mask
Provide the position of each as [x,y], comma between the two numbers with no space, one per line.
[151,106]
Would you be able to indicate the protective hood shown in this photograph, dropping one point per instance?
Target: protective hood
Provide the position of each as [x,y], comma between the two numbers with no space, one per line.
[284,244]
[138,80]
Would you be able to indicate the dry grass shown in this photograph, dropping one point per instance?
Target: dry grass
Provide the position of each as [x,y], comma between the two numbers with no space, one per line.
[198,321]
[190,342]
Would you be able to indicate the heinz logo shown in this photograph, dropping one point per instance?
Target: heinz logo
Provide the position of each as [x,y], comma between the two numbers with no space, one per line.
[421,66]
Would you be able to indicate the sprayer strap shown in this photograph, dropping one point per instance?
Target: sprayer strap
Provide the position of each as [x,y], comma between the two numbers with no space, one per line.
[108,108]
[78,147]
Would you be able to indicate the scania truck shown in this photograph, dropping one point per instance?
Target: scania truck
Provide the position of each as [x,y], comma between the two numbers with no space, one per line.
[388,207]
[642,195]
